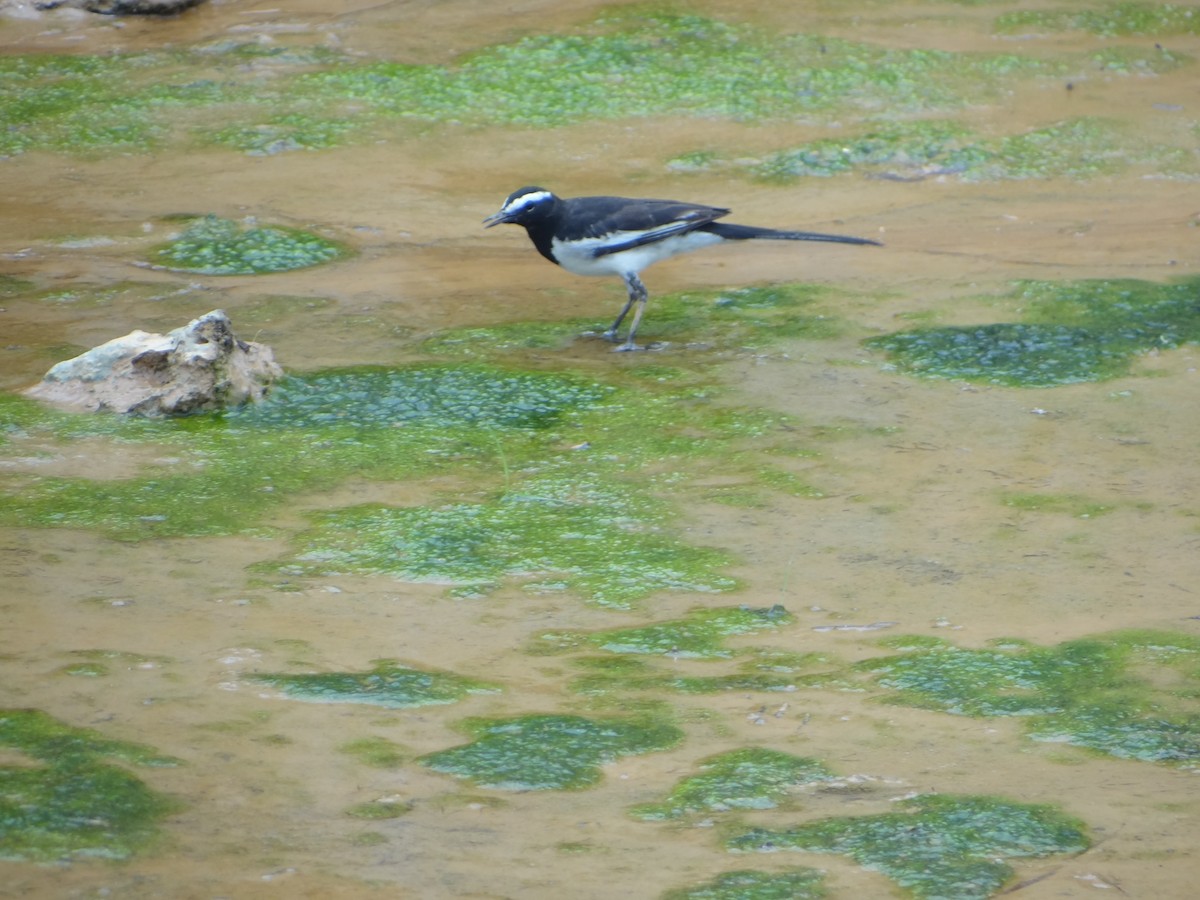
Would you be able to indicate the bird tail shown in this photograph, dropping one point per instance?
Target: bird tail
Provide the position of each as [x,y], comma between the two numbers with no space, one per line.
[732,232]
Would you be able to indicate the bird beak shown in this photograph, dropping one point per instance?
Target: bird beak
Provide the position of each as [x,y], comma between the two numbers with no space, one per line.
[498,219]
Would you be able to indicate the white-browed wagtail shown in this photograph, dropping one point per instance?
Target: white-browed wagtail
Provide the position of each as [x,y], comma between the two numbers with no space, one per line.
[621,236]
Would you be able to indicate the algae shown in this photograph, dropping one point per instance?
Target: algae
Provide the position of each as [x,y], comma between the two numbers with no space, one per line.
[646,64]
[388,684]
[1103,693]
[617,675]
[749,778]
[377,810]
[1078,148]
[739,318]
[216,246]
[312,432]
[1077,331]
[74,803]
[443,397]
[937,846]
[376,752]
[575,531]
[271,99]
[98,663]
[1074,505]
[745,884]
[1113,20]
[700,635]
[568,471]
[548,752]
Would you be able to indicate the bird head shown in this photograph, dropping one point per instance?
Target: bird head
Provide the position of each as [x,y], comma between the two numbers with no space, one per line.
[522,207]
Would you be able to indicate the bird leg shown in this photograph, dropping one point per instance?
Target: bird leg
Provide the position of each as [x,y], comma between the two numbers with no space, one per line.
[637,294]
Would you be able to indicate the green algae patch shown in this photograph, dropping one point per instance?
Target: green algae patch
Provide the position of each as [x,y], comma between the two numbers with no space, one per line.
[266,100]
[388,684]
[377,810]
[1079,331]
[751,316]
[746,884]
[614,676]
[1130,694]
[73,803]
[700,635]
[647,65]
[72,104]
[593,537]
[1006,681]
[1113,20]
[515,337]
[438,396]
[937,846]
[548,752]
[222,474]
[216,246]
[137,102]
[1079,148]
[1011,354]
[1110,728]
[377,752]
[285,132]
[750,778]
[566,476]
[99,663]
[1141,315]
[746,317]
[1074,505]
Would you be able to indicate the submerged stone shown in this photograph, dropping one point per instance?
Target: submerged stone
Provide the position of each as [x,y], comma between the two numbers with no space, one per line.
[937,846]
[548,752]
[72,802]
[200,367]
[125,7]
[750,778]
[388,684]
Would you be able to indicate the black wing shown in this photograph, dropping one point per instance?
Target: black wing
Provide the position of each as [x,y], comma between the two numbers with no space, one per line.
[635,223]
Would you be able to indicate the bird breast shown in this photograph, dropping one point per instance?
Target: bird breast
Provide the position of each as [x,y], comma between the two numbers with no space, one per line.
[580,257]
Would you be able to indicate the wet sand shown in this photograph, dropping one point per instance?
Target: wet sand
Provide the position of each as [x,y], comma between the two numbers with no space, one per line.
[911,531]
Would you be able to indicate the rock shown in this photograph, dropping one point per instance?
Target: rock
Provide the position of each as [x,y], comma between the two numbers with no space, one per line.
[200,367]
[124,7]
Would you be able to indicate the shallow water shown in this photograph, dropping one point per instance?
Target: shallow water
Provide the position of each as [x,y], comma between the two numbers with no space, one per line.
[913,527]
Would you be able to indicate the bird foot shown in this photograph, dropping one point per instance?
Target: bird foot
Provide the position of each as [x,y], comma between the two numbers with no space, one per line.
[612,337]
[628,344]
[653,345]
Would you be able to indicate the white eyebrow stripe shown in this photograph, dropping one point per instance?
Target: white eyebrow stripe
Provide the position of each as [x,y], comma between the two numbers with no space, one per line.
[526,200]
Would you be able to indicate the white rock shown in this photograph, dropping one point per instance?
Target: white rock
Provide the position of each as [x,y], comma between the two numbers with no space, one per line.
[201,366]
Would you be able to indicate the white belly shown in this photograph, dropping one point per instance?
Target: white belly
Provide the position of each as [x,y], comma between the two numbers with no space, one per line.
[577,257]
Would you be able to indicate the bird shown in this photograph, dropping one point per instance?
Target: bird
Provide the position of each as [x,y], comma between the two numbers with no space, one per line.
[622,236]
